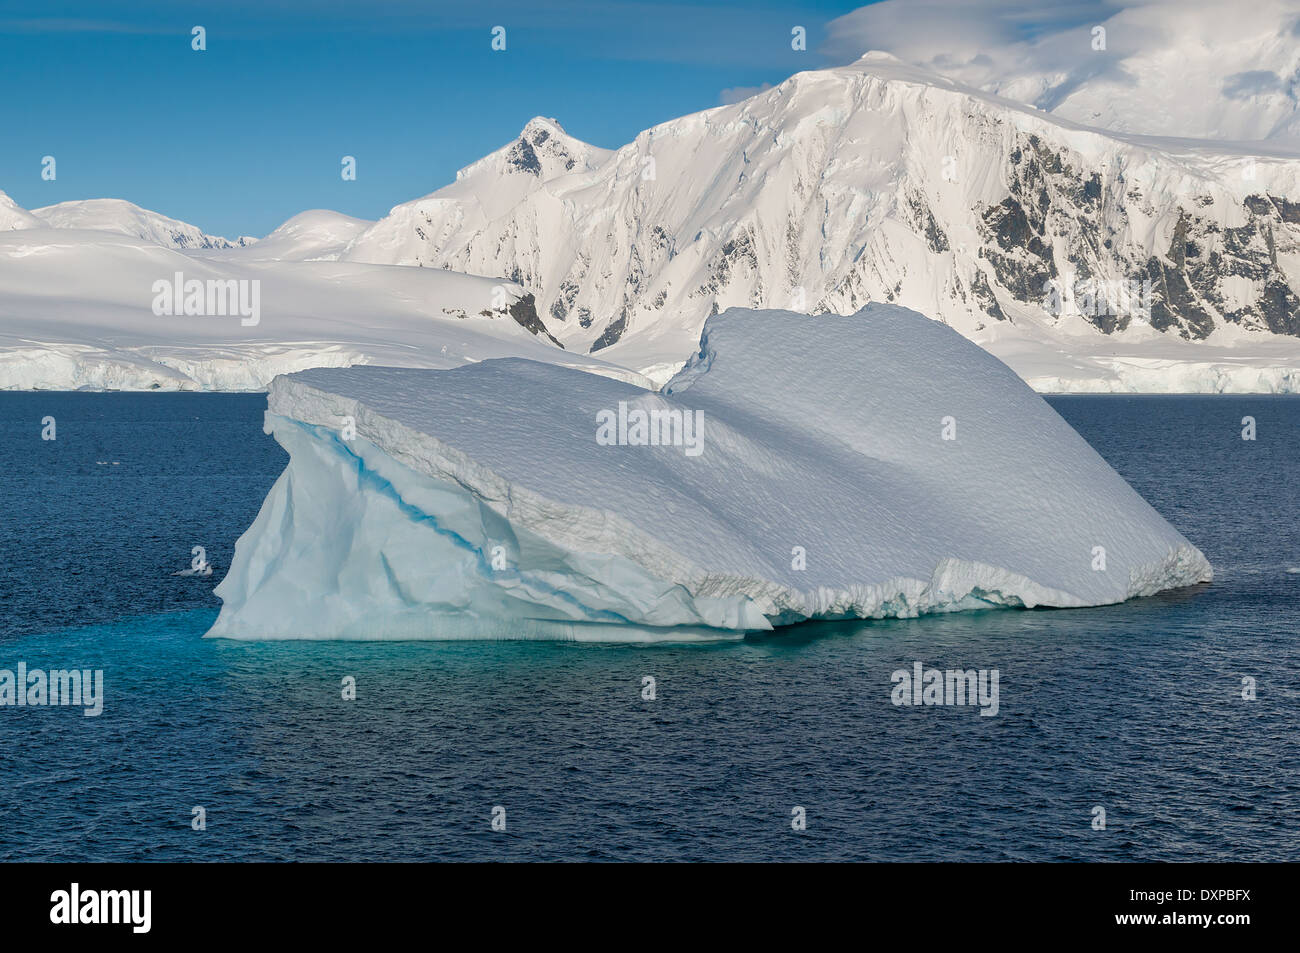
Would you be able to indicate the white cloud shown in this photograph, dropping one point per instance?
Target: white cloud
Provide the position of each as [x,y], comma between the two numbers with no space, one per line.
[1202,68]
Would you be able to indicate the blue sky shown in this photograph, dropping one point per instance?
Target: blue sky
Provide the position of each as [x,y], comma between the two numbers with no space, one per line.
[251,131]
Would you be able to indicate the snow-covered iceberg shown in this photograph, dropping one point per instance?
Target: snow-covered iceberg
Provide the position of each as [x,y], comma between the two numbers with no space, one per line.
[808,467]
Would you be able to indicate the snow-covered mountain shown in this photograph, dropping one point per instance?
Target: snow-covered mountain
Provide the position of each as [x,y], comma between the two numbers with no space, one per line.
[125,218]
[881,181]
[485,193]
[315,235]
[1088,260]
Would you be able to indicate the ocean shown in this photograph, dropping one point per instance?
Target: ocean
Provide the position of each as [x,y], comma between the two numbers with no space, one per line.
[780,746]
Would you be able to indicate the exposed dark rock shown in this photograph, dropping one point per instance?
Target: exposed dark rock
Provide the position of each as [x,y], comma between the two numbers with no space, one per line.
[1092,188]
[1280,308]
[564,300]
[612,333]
[523,158]
[984,297]
[1009,224]
[923,219]
[1174,302]
[1258,205]
[1288,210]
[1025,265]
[524,311]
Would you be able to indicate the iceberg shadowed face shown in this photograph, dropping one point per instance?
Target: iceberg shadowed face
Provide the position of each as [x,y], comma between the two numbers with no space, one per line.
[657,426]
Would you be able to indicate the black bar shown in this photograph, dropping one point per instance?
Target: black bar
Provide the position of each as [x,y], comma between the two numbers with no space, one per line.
[946,902]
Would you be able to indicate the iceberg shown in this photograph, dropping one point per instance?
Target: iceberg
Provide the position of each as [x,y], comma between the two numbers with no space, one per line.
[798,467]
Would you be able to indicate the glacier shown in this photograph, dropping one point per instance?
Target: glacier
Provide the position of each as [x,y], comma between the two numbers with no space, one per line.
[75,313]
[865,466]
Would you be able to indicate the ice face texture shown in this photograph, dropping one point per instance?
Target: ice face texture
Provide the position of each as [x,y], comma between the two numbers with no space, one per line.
[478,502]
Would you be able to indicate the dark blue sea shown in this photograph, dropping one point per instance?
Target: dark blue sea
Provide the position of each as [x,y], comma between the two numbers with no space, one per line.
[1136,709]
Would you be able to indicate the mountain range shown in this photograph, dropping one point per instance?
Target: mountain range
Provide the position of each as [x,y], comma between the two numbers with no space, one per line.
[1086,258]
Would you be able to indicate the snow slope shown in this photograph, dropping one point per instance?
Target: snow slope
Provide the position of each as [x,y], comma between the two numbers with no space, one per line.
[76,311]
[126,218]
[12,216]
[315,235]
[879,181]
[479,502]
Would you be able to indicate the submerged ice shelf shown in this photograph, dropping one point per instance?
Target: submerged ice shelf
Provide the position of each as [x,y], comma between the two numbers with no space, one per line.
[843,467]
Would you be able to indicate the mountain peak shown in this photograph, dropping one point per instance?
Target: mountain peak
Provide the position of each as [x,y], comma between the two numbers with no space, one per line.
[541,126]
[542,150]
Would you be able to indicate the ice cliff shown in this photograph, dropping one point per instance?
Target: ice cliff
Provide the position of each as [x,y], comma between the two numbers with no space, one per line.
[809,467]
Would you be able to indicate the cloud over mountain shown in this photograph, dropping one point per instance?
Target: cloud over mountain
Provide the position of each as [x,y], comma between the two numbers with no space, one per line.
[1193,68]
